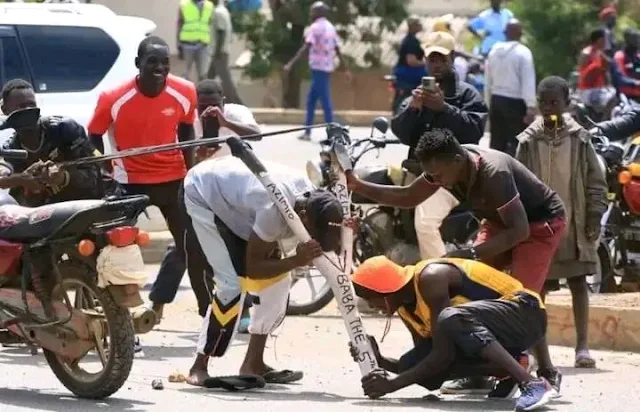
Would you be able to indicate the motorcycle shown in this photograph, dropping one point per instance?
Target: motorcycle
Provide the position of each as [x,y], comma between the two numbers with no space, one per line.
[621,221]
[383,230]
[69,273]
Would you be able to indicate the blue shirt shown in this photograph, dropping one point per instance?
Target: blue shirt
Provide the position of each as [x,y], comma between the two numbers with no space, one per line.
[493,24]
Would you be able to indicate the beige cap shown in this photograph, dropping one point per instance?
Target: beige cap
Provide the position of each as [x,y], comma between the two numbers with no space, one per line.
[439,42]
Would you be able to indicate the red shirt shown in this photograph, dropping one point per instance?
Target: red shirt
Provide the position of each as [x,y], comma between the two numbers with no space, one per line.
[135,120]
[593,72]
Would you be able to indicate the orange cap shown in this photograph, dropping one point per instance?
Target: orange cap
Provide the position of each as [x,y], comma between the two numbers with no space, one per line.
[381,275]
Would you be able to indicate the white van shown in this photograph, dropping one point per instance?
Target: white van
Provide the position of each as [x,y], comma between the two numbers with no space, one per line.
[69,52]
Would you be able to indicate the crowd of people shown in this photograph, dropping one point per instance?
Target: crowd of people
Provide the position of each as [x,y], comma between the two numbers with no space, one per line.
[474,313]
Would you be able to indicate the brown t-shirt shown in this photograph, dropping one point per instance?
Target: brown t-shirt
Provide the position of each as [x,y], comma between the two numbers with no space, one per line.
[497,180]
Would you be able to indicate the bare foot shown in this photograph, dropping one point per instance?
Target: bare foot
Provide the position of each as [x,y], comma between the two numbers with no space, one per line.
[197,377]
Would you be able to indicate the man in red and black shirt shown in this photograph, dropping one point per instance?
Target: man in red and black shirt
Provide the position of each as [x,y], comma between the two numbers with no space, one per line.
[151,109]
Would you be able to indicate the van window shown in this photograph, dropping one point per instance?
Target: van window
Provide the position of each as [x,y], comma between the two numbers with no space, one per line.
[68,59]
[12,65]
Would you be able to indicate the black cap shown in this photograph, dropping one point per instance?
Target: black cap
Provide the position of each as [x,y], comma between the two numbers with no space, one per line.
[324,211]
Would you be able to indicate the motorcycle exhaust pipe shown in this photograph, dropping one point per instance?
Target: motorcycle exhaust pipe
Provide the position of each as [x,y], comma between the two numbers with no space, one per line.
[144,319]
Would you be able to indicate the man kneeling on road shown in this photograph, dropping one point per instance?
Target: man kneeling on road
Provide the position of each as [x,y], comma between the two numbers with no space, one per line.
[466,318]
[240,230]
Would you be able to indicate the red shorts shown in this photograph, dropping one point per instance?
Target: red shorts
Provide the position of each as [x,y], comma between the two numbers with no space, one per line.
[529,260]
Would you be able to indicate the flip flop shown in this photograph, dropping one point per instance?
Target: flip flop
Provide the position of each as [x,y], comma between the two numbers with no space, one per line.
[282,377]
[235,383]
[584,360]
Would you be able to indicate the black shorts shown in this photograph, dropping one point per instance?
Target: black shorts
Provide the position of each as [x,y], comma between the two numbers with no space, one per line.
[516,325]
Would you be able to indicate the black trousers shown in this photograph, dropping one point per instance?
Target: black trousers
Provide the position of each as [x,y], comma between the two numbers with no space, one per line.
[186,251]
[506,118]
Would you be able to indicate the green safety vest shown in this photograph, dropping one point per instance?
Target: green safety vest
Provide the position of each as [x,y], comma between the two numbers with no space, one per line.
[195,27]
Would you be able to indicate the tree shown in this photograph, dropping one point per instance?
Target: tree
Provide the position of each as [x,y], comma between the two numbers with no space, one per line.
[556,31]
[274,41]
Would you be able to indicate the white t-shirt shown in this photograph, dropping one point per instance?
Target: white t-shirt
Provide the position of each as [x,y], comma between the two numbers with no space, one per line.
[237,197]
[222,21]
[234,112]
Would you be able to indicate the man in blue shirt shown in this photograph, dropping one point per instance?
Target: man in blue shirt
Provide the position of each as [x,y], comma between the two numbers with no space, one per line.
[489,25]
[411,65]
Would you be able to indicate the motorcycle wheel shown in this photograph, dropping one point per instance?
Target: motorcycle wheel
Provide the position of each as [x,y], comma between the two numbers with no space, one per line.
[604,280]
[319,298]
[113,334]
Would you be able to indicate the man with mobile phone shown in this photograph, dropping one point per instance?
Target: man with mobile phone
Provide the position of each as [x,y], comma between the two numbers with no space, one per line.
[452,104]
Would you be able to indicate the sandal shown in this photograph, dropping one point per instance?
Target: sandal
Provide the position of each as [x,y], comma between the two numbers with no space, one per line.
[283,376]
[235,383]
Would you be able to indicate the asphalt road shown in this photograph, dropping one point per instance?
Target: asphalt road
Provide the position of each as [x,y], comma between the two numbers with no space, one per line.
[315,345]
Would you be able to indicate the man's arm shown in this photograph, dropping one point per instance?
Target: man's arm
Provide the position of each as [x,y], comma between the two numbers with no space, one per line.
[621,127]
[597,187]
[186,133]
[467,122]
[405,124]
[262,261]
[179,29]
[475,25]
[406,197]
[488,81]
[528,79]
[301,51]
[504,194]
[434,288]
[100,122]
[242,122]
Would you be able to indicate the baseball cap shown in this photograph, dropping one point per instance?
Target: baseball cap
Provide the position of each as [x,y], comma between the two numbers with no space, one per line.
[439,42]
[382,275]
[325,213]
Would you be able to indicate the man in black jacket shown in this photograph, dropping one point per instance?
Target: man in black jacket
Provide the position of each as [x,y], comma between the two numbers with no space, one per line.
[622,127]
[454,105]
[52,139]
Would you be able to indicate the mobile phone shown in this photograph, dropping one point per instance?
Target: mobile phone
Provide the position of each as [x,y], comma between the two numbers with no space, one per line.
[429,83]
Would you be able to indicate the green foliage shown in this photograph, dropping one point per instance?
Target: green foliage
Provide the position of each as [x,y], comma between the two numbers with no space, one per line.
[556,31]
[274,41]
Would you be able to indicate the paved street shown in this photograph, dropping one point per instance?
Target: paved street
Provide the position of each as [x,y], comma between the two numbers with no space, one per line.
[316,345]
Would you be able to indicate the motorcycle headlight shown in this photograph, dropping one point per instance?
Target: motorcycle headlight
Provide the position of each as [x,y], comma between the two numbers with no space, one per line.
[314,172]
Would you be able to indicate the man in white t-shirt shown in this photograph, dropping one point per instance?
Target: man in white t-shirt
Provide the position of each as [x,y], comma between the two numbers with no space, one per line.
[223,32]
[240,231]
[220,119]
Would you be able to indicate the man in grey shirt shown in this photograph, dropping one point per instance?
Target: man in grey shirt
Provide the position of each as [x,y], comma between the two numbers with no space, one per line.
[241,232]
[223,31]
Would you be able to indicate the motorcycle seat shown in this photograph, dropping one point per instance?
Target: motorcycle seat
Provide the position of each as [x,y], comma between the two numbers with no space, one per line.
[28,224]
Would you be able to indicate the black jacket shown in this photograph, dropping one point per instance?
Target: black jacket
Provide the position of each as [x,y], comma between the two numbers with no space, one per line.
[63,140]
[622,127]
[465,114]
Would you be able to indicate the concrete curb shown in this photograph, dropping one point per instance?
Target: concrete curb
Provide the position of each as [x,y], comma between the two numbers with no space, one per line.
[296,116]
[610,328]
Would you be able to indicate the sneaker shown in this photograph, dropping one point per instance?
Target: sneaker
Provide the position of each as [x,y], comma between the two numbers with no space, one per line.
[554,377]
[507,388]
[534,394]
[305,137]
[468,386]
[137,348]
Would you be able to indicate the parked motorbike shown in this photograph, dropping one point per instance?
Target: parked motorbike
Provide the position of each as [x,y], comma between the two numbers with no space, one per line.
[621,221]
[69,273]
[383,230]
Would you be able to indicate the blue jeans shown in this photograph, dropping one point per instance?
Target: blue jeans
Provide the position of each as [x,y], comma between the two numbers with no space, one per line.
[320,89]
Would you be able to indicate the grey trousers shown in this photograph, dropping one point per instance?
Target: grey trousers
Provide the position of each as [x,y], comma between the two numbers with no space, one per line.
[195,56]
[219,66]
